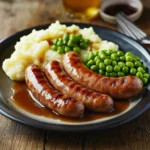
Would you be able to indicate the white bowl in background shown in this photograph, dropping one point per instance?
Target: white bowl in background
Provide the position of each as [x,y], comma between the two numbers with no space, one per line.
[111,19]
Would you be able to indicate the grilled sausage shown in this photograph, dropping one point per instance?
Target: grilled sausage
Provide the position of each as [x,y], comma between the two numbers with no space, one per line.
[48,96]
[62,82]
[120,88]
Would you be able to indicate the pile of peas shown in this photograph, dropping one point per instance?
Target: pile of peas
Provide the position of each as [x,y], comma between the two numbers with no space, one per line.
[113,63]
[70,42]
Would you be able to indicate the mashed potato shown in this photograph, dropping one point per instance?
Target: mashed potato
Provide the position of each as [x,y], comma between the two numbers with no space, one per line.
[35,48]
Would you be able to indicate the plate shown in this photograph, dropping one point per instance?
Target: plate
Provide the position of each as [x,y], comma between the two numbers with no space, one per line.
[139,105]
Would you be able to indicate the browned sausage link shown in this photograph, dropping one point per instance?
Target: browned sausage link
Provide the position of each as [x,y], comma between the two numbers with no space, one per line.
[62,82]
[49,97]
[121,87]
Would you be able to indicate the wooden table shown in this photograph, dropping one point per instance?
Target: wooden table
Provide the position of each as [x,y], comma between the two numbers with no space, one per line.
[16,15]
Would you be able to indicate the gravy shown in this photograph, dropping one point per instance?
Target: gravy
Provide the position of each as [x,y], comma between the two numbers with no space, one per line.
[22,98]
[116,8]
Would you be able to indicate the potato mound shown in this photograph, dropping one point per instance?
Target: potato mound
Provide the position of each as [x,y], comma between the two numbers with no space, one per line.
[35,48]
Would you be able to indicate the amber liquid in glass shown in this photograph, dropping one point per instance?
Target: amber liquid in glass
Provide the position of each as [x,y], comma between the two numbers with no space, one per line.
[82,8]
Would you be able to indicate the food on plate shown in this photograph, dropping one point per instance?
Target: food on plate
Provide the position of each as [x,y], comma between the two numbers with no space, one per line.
[70,42]
[62,82]
[114,63]
[23,100]
[49,97]
[96,69]
[121,87]
[36,48]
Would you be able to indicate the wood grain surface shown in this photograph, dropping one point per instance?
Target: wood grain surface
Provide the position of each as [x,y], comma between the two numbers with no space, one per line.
[16,15]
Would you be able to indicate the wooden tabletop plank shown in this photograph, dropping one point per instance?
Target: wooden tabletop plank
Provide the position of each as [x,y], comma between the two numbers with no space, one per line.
[16,15]
[134,135]
[15,136]
[64,141]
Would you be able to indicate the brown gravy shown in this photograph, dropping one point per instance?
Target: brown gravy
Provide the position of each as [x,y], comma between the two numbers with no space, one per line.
[116,8]
[22,98]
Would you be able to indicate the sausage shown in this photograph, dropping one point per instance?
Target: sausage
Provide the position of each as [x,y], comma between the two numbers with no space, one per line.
[120,88]
[62,82]
[48,96]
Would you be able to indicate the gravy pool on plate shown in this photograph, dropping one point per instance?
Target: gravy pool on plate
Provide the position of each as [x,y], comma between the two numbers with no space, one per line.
[22,99]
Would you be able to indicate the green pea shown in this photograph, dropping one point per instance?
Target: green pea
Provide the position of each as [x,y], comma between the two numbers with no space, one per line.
[102,66]
[91,56]
[102,52]
[95,59]
[72,38]
[144,67]
[60,42]
[107,61]
[129,58]
[88,65]
[137,58]
[140,69]
[91,62]
[117,68]
[137,64]
[76,49]
[74,44]
[66,37]
[67,49]
[114,63]
[108,52]
[65,42]
[133,71]
[125,70]
[113,74]
[54,47]
[87,41]
[94,68]
[114,56]
[85,61]
[103,56]
[83,45]
[122,58]
[114,51]
[76,40]
[139,75]
[120,74]
[70,44]
[96,53]
[145,80]
[78,37]
[129,64]
[107,74]
[101,72]
[120,53]
[128,54]
[98,62]
[60,50]
[121,64]
[134,59]
[55,41]
[146,75]
[109,68]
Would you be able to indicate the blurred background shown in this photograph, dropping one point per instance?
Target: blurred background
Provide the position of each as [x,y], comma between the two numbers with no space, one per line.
[16,15]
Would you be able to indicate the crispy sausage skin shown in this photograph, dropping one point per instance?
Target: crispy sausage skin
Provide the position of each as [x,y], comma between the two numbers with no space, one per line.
[49,97]
[62,82]
[120,88]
